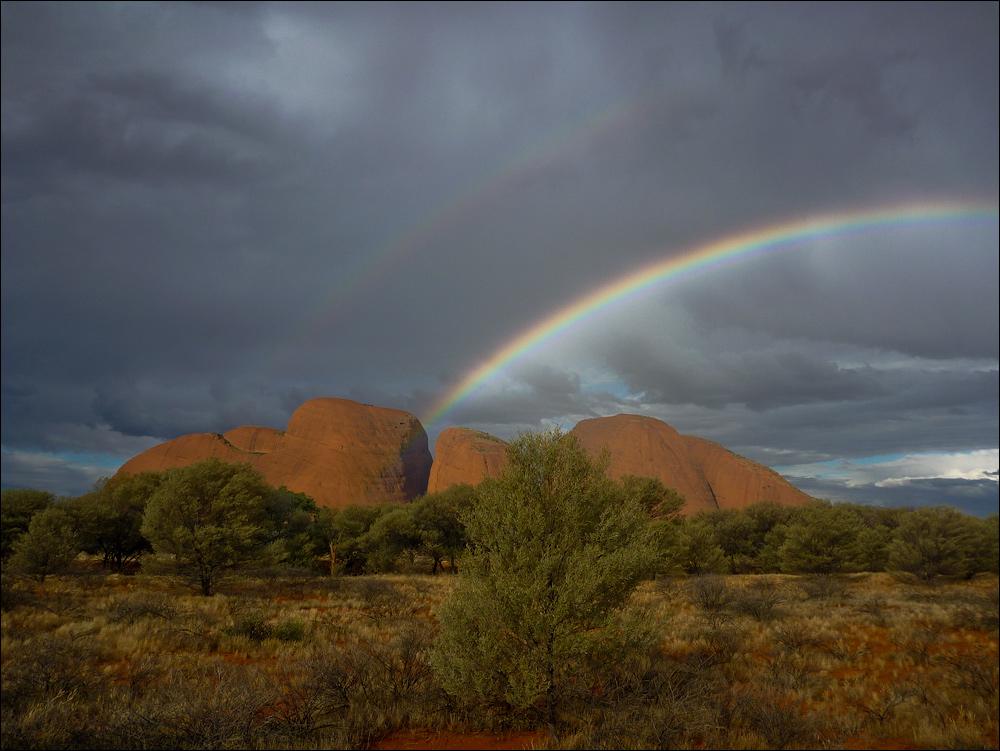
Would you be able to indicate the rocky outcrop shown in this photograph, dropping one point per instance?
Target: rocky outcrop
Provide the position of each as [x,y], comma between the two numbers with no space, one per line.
[463,455]
[706,474]
[340,452]
[335,450]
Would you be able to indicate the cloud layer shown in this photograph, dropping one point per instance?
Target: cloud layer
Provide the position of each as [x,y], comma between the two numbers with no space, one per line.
[213,212]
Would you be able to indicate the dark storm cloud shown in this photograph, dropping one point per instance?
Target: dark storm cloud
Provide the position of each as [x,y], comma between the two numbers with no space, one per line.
[755,378]
[214,211]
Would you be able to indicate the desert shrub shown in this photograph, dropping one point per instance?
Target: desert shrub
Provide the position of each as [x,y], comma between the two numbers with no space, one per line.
[383,670]
[917,642]
[47,666]
[713,595]
[971,673]
[17,507]
[779,722]
[48,545]
[253,628]
[382,600]
[131,609]
[939,541]
[880,706]
[289,631]
[649,700]
[794,637]
[718,646]
[691,546]
[872,605]
[823,586]
[256,628]
[822,538]
[11,595]
[979,611]
[842,649]
[55,722]
[790,670]
[760,601]
[210,705]
[557,551]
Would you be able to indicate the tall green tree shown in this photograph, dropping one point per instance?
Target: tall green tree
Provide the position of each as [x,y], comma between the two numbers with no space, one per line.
[986,545]
[49,544]
[17,506]
[289,520]
[346,535]
[438,520]
[208,516]
[822,538]
[693,549]
[743,533]
[391,535]
[662,503]
[557,549]
[109,520]
[933,541]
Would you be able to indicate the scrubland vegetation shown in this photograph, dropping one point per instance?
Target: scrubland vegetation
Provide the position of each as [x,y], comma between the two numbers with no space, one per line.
[94,659]
[201,608]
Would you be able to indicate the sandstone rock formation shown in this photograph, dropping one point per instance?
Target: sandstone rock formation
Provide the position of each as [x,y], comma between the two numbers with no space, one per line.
[335,450]
[340,452]
[706,474]
[465,455]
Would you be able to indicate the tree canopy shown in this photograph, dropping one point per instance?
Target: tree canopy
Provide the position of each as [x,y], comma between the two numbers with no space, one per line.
[208,516]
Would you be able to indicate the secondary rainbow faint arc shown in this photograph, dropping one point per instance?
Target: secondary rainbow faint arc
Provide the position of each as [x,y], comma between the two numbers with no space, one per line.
[703,257]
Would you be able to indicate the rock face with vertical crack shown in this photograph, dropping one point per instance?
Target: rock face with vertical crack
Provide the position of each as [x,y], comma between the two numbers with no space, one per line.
[336,451]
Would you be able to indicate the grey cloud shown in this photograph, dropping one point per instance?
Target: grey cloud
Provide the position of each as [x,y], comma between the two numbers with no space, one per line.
[760,377]
[978,498]
[213,212]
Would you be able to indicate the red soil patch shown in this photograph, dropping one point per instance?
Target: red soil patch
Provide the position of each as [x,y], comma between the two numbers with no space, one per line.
[427,739]
[860,744]
[842,674]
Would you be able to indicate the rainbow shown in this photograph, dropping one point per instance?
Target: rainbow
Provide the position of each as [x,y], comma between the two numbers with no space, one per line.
[700,259]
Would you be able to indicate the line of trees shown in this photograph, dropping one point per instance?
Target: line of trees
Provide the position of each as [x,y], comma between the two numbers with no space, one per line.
[832,538]
[211,517]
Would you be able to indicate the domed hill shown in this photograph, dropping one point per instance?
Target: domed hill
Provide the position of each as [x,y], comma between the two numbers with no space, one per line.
[334,450]
[465,455]
[706,474]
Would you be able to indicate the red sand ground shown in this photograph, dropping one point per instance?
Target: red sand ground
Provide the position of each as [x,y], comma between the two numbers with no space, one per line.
[426,739]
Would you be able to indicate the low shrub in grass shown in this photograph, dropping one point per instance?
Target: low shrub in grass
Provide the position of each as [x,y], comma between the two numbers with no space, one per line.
[257,629]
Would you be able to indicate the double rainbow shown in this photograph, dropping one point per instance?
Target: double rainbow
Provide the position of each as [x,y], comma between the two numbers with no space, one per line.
[772,238]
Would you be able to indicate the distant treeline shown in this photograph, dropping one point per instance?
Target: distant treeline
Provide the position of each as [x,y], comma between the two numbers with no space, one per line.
[210,517]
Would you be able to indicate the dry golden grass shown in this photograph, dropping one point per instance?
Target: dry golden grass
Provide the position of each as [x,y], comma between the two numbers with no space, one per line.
[301,662]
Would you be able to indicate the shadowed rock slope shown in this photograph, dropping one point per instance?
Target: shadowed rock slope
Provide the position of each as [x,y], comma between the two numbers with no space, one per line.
[335,450]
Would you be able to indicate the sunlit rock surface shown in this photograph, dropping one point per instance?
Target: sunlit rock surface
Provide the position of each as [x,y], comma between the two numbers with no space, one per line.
[706,474]
[463,455]
[335,450]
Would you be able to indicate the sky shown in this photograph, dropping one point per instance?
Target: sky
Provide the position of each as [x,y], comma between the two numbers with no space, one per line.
[212,212]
